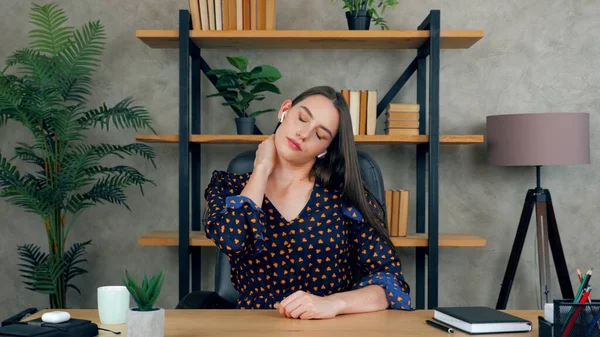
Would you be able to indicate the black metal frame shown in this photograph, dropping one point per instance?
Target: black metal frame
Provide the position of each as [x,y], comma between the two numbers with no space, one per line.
[428,153]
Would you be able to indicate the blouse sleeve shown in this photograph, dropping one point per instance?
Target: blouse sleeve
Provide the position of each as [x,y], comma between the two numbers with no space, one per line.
[234,222]
[378,261]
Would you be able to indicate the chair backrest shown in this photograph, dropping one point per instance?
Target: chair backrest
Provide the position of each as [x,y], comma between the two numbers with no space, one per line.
[244,162]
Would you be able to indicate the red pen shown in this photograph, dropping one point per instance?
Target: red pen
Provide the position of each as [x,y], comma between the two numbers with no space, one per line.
[584,297]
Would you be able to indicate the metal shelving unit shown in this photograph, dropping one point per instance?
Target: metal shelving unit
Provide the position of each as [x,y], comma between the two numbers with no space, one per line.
[428,40]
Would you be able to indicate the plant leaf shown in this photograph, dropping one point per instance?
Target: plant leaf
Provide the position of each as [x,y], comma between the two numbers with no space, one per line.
[227,82]
[239,62]
[266,73]
[263,86]
[122,115]
[231,94]
[50,37]
[221,72]
[155,288]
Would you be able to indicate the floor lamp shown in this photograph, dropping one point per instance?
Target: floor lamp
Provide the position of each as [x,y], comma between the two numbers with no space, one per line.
[538,139]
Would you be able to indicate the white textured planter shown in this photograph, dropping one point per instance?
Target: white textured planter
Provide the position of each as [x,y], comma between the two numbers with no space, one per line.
[145,323]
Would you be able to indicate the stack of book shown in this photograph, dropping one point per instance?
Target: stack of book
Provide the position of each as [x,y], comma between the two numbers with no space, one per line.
[396,202]
[402,119]
[363,110]
[232,14]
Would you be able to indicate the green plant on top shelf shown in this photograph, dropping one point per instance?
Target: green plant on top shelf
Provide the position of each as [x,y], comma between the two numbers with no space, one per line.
[361,12]
[146,293]
[241,86]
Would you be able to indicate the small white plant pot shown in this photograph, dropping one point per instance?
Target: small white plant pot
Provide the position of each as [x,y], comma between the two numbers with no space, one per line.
[145,323]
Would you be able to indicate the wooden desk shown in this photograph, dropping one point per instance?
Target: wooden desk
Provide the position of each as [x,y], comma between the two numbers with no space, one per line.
[260,323]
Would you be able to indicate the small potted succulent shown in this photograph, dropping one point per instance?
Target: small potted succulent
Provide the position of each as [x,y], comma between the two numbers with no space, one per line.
[241,86]
[146,320]
[359,13]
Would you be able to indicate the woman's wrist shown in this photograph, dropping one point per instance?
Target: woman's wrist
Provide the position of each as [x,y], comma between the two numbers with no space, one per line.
[338,302]
[262,171]
[260,175]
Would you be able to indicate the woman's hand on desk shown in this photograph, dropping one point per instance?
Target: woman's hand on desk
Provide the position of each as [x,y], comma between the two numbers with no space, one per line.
[308,306]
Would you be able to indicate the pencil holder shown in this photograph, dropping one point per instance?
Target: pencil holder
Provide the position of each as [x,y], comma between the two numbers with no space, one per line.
[573,320]
[545,328]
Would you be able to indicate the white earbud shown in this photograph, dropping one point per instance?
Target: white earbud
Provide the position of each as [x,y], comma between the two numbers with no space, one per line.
[321,155]
[282,116]
[56,317]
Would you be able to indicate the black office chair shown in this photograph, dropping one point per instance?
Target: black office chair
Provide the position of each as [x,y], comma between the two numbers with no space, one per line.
[225,295]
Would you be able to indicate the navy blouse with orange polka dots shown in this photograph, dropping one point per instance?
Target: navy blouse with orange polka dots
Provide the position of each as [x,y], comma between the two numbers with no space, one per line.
[271,257]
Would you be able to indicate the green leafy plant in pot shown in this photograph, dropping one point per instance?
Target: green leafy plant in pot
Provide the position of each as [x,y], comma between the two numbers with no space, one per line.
[240,87]
[145,320]
[360,13]
[44,87]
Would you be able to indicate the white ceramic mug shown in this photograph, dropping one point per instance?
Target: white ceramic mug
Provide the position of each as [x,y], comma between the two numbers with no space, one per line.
[113,303]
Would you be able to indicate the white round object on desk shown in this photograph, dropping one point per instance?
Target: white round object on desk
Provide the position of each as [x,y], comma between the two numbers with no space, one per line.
[56,317]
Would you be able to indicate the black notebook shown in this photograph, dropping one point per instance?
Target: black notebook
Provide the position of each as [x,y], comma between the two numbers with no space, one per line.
[481,320]
[34,328]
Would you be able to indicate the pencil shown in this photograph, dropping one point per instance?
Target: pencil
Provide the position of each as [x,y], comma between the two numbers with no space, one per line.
[590,302]
[582,285]
[573,318]
[581,281]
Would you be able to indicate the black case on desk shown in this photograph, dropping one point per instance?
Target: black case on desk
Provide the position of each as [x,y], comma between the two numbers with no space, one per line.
[71,328]
[563,311]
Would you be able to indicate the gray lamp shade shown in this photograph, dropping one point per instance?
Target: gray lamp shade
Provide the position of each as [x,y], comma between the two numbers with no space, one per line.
[533,139]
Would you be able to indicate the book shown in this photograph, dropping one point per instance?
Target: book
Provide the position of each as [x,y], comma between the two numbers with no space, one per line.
[211,15]
[195,12]
[395,212]
[371,111]
[401,107]
[204,14]
[362,123]
[218,15]
[403,210]
[239,12]
[355,111]
[401,132]
[388,210]
[270,15]
[262,14]
[481,320]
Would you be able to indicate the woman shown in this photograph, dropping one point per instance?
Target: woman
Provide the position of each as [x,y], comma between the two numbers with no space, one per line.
[296,226]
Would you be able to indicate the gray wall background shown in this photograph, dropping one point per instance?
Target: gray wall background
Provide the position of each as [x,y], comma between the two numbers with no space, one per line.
[536,56]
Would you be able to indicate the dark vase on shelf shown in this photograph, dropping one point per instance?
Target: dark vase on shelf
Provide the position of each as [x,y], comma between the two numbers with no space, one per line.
[360,20]
[245,125]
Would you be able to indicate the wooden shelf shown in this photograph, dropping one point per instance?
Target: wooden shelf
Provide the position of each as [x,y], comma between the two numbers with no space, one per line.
[198,239]
[310,39]
[255,139]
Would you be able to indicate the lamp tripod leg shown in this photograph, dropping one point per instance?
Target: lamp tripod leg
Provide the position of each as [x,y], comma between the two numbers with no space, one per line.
[557,252]
[543,246]
[517,248]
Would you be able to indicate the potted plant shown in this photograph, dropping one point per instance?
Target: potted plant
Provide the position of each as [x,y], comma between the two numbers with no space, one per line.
[360,13]
[44,87]
[146,320]
[240,87]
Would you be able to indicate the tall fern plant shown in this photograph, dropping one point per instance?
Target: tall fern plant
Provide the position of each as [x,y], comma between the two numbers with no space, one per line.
[44,88]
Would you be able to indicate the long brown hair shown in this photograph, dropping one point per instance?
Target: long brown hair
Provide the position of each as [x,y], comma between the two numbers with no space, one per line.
[340,165]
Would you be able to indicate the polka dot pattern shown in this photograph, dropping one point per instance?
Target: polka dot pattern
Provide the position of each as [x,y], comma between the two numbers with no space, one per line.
[316,252]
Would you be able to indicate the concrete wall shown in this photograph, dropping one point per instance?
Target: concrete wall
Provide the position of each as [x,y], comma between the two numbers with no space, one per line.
[536,56]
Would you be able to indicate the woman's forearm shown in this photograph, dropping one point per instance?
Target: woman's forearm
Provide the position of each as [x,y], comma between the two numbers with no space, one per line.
[367,299]
[256,185]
